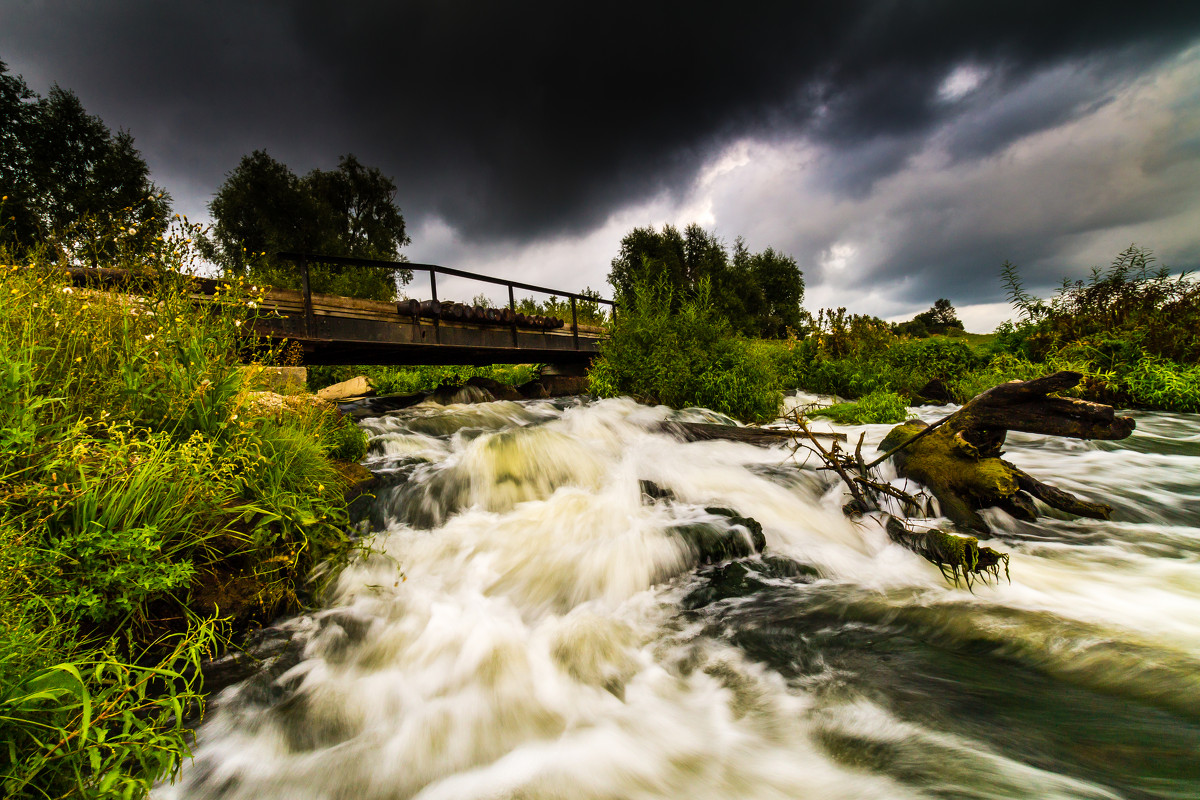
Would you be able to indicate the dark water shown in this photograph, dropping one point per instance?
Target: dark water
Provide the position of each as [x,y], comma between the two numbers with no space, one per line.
[535,618]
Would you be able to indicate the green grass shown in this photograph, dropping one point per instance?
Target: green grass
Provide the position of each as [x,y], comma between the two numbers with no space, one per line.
[416,379]
[874,409]
[136,480]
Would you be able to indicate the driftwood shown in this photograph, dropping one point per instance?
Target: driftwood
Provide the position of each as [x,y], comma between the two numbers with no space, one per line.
[960,461]
[958,557]
[703,431]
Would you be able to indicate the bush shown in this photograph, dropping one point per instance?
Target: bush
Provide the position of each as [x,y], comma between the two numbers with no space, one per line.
[1132,305]
[683,357]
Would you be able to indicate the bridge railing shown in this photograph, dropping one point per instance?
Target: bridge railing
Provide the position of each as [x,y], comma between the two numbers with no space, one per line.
[304,259]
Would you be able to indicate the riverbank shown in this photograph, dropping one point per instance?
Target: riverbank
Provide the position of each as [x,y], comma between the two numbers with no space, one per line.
[154,503]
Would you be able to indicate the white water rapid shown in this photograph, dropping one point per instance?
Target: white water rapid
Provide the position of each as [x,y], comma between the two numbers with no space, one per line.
[533,620]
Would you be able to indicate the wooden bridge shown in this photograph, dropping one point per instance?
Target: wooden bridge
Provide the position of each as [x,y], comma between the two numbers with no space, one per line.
[345,330]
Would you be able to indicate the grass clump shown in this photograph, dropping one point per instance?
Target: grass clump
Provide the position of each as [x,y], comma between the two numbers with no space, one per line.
[681,353]
[875,408]
[146,504]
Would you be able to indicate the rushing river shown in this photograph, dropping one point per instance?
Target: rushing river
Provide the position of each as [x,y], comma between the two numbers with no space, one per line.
[533,620]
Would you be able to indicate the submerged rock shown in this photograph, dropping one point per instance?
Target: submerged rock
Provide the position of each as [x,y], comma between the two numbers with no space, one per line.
[745,578]
[732,537]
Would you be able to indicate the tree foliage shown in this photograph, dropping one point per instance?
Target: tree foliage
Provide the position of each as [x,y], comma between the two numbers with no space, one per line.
[62,168]
[263,208]
[758,293]
[941,318]
[1132,308]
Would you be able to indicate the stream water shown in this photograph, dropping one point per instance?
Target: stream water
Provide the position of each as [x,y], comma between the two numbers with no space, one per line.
[534,620]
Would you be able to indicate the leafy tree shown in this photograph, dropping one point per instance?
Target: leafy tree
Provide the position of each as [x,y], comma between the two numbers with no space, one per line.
[939,319]
[772,289]
[263,208]
[62,170]
[758,293]
[682,353]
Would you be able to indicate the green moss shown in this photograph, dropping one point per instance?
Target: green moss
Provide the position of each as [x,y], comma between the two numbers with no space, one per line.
[960,558]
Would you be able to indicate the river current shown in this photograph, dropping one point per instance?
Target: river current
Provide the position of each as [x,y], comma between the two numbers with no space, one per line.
[531,618]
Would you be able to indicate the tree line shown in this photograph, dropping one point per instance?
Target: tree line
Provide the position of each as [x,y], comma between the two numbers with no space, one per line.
[61,167]
[63,171]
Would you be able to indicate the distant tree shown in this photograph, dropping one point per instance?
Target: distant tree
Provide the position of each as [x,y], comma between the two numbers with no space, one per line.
[18,217]
[939,319]
[759,293]
[943,314]
[263,208]
[61,167]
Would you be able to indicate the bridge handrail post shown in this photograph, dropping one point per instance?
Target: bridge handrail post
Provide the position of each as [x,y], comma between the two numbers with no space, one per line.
[512,306]
[437,330]
[310,322]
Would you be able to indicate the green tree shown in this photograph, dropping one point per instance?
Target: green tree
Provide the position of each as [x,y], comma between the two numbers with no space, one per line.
[758,293]
[63,171]
[939,319]
[18,221]
[771,288]
[263,208]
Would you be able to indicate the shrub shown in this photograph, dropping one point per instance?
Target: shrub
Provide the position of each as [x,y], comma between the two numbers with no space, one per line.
[1133,303]
[681,353]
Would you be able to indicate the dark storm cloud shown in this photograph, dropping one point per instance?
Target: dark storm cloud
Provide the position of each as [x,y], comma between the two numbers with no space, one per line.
[524,120]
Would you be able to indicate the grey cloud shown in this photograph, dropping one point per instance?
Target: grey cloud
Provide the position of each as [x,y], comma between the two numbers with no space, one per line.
[520,121]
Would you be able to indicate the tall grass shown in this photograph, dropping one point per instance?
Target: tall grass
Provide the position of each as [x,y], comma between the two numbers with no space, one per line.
[137,478]
[414,379]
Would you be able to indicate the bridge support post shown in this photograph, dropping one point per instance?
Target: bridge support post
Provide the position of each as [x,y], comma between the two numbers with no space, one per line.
[437,330]
[310,321]
[574,324]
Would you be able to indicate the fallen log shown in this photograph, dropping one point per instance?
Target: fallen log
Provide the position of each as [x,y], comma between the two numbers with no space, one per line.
[960,461]
[958,557]
[704,431]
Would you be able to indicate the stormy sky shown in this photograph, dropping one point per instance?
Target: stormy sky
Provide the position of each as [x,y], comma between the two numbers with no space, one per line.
[900,151]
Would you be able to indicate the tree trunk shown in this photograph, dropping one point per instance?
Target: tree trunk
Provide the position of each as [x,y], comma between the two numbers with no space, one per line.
[960,461]
[703,431]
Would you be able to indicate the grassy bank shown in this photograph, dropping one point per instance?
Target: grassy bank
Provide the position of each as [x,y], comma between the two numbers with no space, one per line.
[1130,330]
[148,501]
